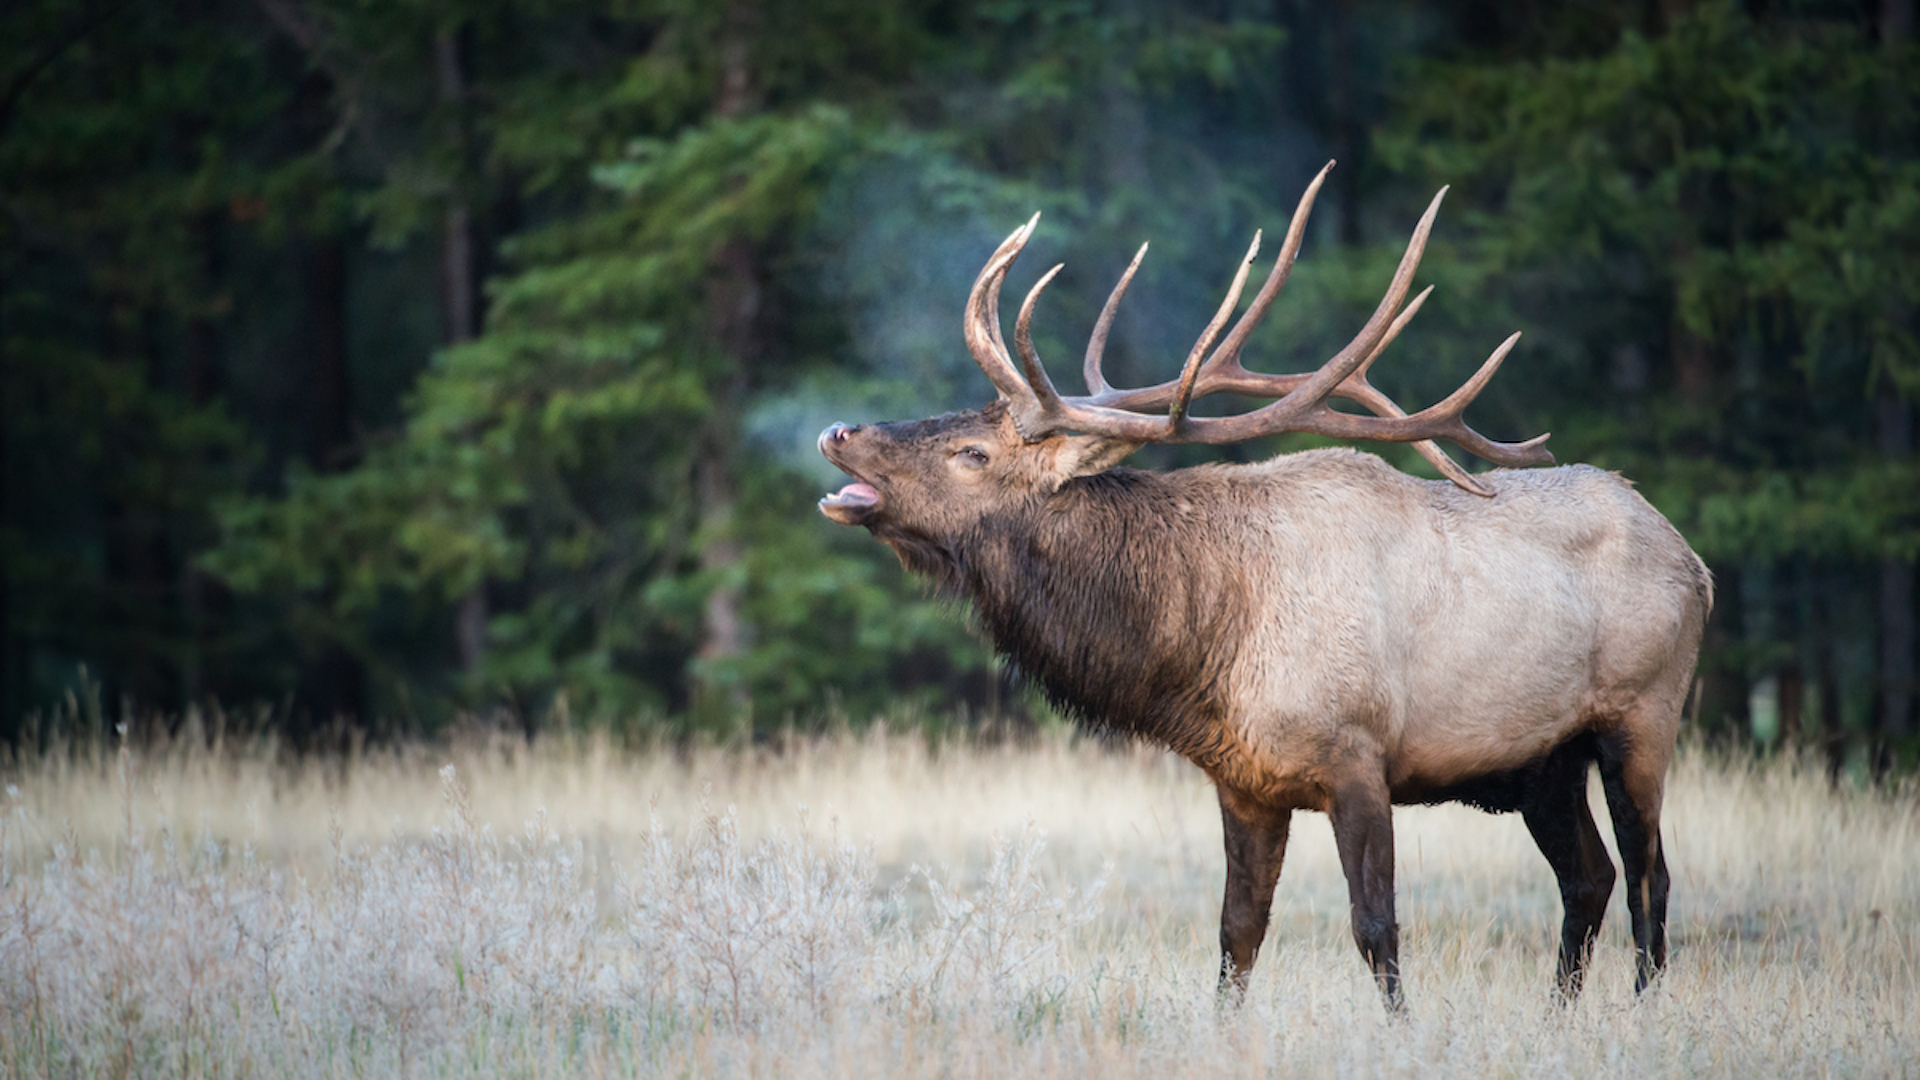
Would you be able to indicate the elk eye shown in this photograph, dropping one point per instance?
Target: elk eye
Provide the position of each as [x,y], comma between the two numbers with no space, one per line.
[973,456]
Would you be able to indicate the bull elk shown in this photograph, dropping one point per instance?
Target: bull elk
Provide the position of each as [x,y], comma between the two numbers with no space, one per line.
[1317,631]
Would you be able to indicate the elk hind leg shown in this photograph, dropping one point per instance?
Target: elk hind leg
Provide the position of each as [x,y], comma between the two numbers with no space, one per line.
[1561,822]
[1256,840]
[1363,832]
[1633,773]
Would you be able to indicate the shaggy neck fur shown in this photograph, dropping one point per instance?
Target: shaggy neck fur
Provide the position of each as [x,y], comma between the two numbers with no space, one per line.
[1091,597]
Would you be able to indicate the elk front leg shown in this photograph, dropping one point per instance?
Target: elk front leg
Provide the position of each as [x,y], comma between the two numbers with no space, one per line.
[1363,830]
[1256,838]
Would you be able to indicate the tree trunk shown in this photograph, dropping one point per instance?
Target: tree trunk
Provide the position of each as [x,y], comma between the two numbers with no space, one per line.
[329,421]
[459,290]
[137,557]
[1896,21]
[1322,83]
[201,594]
[732,310]
[460,306]
[459,309]
[1343,108]
[1757,624]
[724,635]
[12,694]
[1691,354]
[732,323]
[1896,648]
[1666,12]
[334,682]
[1123,145]
[459,265]
[1894,419]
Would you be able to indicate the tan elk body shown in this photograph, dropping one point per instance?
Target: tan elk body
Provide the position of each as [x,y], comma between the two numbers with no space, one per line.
[1445,634]
[1318,631]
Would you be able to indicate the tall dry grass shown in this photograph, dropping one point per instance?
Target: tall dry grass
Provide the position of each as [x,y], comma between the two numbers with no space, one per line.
[879,905]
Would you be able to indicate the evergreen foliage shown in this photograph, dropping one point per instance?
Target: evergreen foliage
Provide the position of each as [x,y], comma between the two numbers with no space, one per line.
[393,359]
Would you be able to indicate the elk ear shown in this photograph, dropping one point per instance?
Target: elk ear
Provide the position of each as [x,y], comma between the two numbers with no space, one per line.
[1084,455]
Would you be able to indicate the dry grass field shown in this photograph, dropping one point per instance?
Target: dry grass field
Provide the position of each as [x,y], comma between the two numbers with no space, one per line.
[873,905]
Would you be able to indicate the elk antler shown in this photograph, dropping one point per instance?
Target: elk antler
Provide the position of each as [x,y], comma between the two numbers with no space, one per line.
[1301,405]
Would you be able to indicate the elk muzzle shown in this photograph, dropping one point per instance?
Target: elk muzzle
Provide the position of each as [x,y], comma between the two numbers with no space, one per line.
[856,503]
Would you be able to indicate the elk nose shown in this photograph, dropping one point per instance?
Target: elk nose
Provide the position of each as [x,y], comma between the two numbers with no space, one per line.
[836,434]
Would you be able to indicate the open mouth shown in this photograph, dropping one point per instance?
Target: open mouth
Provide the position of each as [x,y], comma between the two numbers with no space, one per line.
[853,504]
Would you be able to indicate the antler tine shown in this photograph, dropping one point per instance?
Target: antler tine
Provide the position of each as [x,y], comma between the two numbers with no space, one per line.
[993,299]
[1229,350]
[1453,404]
[982,322]
[1400,322]
[1042,387]
[1357,388]
[1531,452]
[1441,420]
[1190,371]
[1313,392]
[1097,344]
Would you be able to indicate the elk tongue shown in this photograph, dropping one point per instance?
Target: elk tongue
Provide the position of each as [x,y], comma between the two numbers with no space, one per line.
[854,494]
[850,504]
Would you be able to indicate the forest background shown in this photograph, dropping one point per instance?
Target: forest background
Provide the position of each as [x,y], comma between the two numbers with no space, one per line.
[390,361]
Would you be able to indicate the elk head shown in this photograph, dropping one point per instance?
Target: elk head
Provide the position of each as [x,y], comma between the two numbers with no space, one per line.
[927,478]
[917,482]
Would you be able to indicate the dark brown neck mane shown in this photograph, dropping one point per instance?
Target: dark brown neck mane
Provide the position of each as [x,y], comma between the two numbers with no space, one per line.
[1088,595]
